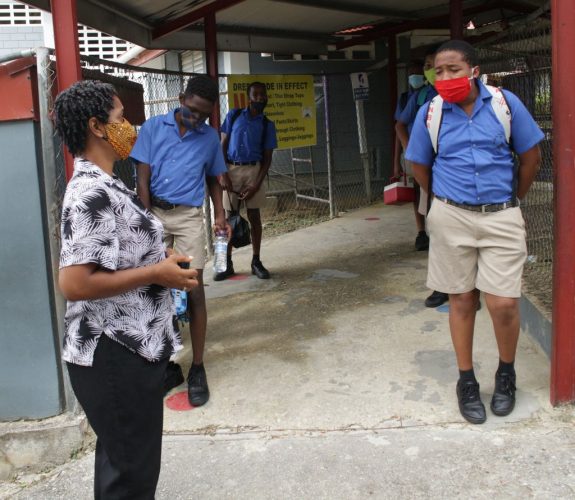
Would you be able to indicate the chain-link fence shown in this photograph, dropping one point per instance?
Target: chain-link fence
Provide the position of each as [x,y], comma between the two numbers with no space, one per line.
[344,170]
[305,185]
[520,60]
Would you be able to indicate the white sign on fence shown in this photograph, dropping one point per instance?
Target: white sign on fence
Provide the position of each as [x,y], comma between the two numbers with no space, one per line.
[360,86]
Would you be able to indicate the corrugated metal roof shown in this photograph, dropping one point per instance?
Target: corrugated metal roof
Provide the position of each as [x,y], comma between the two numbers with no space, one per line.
[301,26]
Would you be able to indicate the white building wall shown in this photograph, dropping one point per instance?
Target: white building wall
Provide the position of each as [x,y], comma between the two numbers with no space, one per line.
[24,27]
[20,27]
[235,63]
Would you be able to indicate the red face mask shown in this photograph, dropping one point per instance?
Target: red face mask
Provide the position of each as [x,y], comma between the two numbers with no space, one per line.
[454,90]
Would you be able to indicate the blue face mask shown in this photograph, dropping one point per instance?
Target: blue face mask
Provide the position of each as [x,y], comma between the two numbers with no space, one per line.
[191,120]
[416,81]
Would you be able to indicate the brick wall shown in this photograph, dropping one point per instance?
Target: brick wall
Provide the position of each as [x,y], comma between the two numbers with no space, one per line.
[17,38]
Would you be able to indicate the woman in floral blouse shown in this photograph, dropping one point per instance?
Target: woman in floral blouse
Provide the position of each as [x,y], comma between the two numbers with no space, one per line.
[117,279]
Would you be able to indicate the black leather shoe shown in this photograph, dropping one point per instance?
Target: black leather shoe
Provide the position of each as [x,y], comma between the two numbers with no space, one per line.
[470,404]
[173,377]
[198,392]
[422,241]
[259,270]
[436,299]
[503,400]
[226,274]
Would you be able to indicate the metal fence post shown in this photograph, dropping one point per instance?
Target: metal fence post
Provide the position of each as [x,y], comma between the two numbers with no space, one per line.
[49,174]
[363,153]
[562,364]
[330,184]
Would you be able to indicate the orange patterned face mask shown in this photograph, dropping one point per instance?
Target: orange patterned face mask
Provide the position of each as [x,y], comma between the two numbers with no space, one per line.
[121,137]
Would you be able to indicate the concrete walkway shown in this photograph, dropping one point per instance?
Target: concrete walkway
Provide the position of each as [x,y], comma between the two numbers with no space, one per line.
[332,380]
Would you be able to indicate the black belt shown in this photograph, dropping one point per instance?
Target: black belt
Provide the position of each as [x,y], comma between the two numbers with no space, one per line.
[242,162]
[491,207]
[163,204]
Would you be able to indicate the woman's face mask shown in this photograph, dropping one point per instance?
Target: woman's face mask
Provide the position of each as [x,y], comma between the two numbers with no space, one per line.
[121,137]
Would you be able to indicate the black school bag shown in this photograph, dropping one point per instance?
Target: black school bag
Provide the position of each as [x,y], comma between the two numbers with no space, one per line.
[241,232]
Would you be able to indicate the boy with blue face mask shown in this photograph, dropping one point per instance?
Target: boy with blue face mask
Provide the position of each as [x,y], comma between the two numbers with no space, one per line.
[416,80]
[403,127]
[177,155]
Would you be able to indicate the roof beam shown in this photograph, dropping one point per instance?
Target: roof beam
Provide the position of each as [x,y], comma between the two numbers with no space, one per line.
[394,29]
[351,7]
[520,7]
[146,56]
[387,30]
[192,17]
[267,32]
[236,42]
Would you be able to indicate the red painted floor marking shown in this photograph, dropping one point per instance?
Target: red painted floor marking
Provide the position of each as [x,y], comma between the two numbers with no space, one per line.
[179,402]
[372,218]
[239,277]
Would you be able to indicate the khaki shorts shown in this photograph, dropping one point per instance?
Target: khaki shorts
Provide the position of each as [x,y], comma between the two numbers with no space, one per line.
[470,250]
[184,232]
[241,176]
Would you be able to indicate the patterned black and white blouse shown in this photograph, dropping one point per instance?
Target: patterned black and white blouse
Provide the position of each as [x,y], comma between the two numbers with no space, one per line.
[104,223]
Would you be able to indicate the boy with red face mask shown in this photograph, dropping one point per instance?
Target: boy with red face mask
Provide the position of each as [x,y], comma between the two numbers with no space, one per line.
[476,229]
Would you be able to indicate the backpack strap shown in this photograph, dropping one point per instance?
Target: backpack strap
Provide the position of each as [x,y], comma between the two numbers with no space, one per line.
[501,109]
[264,132]
[234,116]
[503,113]
[433,120]
[235,113]
[422,96]
[403,98]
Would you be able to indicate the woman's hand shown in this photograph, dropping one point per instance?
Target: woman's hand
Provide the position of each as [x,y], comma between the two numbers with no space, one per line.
[171,274]
[88,282]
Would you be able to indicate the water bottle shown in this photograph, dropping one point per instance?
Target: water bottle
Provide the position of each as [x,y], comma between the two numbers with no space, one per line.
[181,303]
[220,252]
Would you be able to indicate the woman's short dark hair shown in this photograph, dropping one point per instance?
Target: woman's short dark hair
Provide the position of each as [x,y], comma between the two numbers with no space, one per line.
[202,86]
[74,106]
[465,49]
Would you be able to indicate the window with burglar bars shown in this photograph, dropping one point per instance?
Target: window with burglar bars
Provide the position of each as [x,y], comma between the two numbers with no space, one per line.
[96,43]
[91,41]
[19,14]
